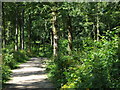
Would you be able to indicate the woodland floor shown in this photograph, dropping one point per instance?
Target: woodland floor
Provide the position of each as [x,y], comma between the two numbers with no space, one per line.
[29,75]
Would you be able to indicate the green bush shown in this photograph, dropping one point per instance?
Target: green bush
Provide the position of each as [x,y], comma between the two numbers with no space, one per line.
[5,73]
[8,59]
[41,51]
[11,59]
[63,46]
[20,56]
[96,66]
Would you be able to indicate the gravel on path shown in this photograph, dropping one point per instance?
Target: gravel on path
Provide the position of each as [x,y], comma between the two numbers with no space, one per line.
[30,75]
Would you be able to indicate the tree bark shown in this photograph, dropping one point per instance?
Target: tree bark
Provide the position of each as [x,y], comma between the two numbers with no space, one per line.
[29,35]
[93,30]
[69,34]
[119,45]
[97,26]
[3,24]
[20,24]
[16,31]
[55,34]
[22,41]
[51,37]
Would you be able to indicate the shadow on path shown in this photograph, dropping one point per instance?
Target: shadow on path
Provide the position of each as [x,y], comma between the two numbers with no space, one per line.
[30,75]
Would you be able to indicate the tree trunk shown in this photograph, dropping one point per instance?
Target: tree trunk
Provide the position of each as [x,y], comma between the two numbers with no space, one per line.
[3,24]
[93,31]
[119,45]
[22,39]
[29,35]
[97,26]
[51,38]
[69,27]
[20,24]
[16,31]
[55,34]
[86,27]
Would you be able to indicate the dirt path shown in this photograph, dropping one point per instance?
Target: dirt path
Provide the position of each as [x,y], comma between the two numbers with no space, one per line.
[30,75]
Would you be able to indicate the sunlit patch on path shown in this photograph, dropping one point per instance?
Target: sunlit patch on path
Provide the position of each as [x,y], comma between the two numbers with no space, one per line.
[30,75]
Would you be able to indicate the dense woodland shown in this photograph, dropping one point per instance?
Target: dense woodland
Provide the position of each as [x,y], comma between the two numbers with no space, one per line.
[81,41]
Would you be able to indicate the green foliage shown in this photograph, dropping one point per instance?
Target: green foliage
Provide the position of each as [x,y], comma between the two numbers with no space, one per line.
[41,51]
[91,64]
[63,46]
[20,56]
[11,59]
[8,59]
[96,66]
[5,73]
[45,51]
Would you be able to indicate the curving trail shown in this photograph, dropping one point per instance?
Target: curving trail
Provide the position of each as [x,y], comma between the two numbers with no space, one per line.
[30,75]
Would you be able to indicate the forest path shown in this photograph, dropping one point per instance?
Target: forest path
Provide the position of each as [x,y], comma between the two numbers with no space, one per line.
[30,75]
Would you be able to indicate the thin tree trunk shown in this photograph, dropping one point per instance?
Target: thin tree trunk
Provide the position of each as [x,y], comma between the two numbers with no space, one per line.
[51,37]
[16,31]
[93,31]
[55,34]
[3,31]
[69,34]
[97,26]
[20,33]
[86,27]
[45,37]
[29,36]
[22,41]
[119,45]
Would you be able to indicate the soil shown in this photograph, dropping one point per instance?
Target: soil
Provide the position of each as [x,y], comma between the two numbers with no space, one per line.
[30,75]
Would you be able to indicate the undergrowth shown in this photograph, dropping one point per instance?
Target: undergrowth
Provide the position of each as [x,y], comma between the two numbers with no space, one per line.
[10,60]
[96,66]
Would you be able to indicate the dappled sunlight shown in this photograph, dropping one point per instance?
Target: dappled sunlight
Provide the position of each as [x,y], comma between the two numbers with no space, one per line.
[32,69]
[29,76]
[28,79]
[72,45]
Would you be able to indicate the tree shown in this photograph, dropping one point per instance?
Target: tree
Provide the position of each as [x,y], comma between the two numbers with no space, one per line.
[54,30]
[16,29]
[69,34]
[3,31]
[22,35]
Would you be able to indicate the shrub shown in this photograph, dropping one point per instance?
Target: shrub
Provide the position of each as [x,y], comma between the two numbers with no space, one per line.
[96,66]
[63,46]
[5,73]
[20,56]
[8,59]
[11,59]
